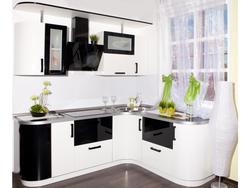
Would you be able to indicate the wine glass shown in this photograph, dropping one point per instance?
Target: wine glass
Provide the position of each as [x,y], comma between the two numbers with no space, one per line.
[105,99]
[113,99]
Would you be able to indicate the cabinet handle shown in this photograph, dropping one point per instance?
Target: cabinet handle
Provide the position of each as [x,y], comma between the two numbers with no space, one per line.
[155,149]
[72,130]
[139,124]
[156,134]
[41,65]
[136,67]
[96,147]
[119,72]
[174,133]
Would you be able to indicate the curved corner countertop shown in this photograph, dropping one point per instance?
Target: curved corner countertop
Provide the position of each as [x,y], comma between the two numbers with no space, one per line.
[110,112]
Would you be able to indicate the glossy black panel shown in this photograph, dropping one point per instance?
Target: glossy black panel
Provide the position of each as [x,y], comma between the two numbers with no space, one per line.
[93,130]
[121,43]
[35,152]
[47,49]
[158,132]
[80,30]
[82,56]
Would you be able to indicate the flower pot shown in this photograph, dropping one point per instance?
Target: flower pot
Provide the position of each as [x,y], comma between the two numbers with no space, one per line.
[35,114]
[162,110]
[93,42]
[170,111]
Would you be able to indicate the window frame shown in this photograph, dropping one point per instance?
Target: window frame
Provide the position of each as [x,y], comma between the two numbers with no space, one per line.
[208,70]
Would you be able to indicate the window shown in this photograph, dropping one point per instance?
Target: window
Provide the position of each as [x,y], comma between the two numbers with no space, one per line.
[199,47]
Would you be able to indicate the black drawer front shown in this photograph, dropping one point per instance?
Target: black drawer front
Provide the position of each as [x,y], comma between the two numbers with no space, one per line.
[158,132]
[92,130]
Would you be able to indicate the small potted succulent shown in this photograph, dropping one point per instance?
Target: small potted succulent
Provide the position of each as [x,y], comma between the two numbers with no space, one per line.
[40,110]
[170,107]
[162,106]
[94,38]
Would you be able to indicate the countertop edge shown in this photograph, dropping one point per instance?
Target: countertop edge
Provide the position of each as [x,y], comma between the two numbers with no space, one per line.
[193,121]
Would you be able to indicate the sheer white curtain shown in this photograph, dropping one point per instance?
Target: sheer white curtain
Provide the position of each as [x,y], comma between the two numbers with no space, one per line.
[191,41]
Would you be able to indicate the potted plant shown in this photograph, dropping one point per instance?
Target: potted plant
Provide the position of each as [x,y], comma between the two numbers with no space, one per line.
[162,106]
[40,110]
[94,38]
[170,107]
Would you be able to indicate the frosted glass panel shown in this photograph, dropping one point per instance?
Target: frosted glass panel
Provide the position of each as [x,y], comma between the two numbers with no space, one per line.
[119,43]
[55,49]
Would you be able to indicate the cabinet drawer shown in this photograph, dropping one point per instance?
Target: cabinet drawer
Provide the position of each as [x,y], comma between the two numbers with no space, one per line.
[157,157]
[89,155]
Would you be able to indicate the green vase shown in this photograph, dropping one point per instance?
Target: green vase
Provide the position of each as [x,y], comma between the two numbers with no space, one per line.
[162,110]
[170,111]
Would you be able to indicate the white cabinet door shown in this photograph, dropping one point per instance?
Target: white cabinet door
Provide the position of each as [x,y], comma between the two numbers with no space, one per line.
[93,154]
[29,48]
[157,156]
[192,154]
[119,64]
[62,148]
[127,137]
[141,55]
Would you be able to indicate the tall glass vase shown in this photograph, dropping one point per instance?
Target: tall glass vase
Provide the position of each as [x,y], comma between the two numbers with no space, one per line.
[223,129]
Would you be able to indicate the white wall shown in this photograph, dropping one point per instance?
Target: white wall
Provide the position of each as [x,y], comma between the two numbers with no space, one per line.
[83,89]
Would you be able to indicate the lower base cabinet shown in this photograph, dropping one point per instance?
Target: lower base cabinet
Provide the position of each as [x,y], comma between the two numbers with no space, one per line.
[127,137]
[62,148]
[157,156]
[93,154]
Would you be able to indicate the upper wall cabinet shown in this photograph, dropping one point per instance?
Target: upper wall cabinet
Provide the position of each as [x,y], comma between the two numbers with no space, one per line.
[39,49]
[127,65]
[60,11]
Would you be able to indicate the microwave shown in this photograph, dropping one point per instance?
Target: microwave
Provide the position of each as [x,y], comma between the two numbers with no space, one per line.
[119,43]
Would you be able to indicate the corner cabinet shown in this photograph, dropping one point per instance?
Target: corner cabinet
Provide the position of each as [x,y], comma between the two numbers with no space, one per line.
[127,137]
[39,49]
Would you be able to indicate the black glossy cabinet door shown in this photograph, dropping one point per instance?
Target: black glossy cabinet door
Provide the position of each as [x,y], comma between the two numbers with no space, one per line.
[55,49]
[35,152]
[92,130]
[158,132]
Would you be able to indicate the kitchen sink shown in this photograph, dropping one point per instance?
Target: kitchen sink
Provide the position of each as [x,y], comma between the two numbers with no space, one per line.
[135,109]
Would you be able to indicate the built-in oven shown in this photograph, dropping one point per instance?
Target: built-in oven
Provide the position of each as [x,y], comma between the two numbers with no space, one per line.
[92,130]
[158,132]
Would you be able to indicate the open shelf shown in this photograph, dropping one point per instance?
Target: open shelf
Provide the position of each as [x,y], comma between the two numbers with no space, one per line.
[54,10]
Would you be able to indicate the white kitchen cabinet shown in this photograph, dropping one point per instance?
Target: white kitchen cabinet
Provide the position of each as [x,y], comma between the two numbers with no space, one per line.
[118,64]
[29,48]
[192,155]
[93,154]
[127,137]
[157,156]
[62,148]
[40,49]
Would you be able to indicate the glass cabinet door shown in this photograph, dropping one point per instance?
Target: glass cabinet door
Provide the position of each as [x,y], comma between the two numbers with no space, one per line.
[55,49]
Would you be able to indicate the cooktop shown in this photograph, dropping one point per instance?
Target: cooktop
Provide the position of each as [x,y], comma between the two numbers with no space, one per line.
[86,113]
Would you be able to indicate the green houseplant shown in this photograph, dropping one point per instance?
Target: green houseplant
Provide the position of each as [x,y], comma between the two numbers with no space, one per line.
[162,106]
[94,38]
[170,107]
[39,110]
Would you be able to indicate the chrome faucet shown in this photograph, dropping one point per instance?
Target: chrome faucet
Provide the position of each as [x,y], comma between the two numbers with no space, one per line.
[137,98]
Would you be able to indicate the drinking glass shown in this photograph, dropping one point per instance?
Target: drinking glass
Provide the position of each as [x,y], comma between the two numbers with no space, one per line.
[113,99]
[105,99]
